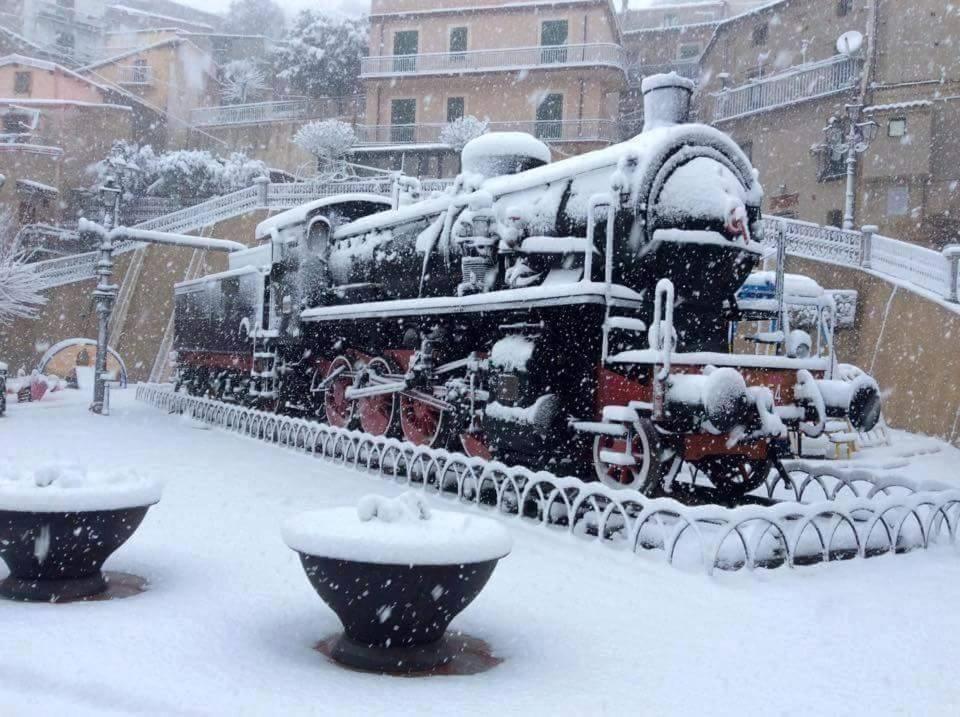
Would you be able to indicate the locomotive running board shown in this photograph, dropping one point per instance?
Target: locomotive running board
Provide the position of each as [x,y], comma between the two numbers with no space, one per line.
[809,514]
[584,292]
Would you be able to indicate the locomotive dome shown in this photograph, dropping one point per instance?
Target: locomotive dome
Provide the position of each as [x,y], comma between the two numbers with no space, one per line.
[499,153]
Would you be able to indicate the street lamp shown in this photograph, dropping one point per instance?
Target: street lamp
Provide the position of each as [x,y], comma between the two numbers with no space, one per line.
[106,292]
[850,137]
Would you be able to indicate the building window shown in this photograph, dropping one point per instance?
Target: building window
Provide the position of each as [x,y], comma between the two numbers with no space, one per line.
[455,108]
[22,82]
[65,42]
[689,50]
[897,127]
[406,44]
[760,35]
[898,201]
[835,218]
[141,72]
[403,118]
[844,7]
[550,117]
[671,20]
[458,41]
[553,37]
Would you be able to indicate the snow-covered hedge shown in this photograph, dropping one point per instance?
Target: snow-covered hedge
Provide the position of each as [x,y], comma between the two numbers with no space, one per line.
[179,174]
[62,487]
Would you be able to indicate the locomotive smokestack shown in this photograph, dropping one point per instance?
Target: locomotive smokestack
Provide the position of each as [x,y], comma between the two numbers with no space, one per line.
[666,100]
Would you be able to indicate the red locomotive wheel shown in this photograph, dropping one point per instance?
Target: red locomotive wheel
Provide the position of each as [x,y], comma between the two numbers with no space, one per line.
[734,476]
[422,422]
[339,410]
[649,468]
[378,413]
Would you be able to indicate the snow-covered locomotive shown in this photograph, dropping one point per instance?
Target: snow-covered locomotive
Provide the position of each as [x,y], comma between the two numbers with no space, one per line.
[574,316]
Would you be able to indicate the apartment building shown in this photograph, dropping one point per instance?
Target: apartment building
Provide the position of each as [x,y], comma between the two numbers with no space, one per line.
[54,123]
[75,30]
[774,77]
[554,70]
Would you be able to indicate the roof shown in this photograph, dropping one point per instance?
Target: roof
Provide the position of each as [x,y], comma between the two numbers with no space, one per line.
[137,50]
[50,67]
[168,18]
[35,102]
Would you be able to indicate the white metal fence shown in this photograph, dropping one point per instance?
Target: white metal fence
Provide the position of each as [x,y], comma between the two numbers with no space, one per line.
[803,82]
[581,130]
[257,112]
[923,268]
[501,59]
[926,269]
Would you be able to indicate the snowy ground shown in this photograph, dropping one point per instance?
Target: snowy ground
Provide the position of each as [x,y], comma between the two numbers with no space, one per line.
[228,622]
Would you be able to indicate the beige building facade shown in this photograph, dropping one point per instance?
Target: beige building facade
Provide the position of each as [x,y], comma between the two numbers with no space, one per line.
[773,78]
[555,71]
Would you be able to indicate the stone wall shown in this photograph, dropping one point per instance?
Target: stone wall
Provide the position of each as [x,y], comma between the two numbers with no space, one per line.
[909,343]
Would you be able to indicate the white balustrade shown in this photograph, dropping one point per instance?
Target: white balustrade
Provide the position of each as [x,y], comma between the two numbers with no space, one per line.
[803,82]
[511,58]
[257,112]
[582,130]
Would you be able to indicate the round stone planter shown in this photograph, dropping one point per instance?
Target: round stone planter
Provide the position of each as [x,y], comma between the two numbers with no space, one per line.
[396,584]
[55,539]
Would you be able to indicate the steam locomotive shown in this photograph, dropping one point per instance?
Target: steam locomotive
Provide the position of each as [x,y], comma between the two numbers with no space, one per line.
[574,316]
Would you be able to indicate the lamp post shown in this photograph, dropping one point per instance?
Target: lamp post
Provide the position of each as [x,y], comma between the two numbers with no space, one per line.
[106,292]
[851,137]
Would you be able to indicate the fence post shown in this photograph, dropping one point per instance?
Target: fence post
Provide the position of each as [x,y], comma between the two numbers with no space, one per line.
[868,231]
[263,188]
[952,255]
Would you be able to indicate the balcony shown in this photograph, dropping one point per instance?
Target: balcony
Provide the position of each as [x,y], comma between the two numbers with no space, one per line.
[803,82]
[689,68]
[507,59]
[283,110]
[550,131]
[69,16]
[138,75]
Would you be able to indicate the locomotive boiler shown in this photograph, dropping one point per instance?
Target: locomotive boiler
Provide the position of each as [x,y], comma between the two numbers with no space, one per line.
[573,316]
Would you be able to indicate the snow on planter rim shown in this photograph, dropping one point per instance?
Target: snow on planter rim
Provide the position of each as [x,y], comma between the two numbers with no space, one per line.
[445,538]
[64,488]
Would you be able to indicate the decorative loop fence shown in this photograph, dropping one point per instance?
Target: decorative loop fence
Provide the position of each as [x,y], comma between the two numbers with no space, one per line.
[813,514]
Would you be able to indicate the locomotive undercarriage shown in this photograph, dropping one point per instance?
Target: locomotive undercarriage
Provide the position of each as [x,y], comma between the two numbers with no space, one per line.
[497,382]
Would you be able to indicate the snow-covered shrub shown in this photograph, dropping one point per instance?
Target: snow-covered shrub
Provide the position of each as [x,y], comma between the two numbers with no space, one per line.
[327,139]
[242,82]
[322,55]
[20,295]
[456,134]
[182,174]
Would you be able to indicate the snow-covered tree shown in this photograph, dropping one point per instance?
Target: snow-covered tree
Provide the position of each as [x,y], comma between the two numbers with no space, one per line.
[19,284]
[255,17]
[325,139]
[457,133]
[242,82]
[322,57]
[129,164]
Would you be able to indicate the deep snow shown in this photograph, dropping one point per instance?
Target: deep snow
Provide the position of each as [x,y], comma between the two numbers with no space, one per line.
[228,622]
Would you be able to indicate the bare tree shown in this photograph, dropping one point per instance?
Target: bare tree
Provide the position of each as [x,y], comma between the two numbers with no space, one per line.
[242,81]
[20,295]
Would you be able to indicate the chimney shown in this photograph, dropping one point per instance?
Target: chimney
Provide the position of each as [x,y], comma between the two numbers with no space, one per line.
[666,100]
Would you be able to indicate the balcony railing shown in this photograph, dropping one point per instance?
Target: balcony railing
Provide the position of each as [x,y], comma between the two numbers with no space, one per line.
[689,68]
[134,75]
[514,58]
[803,82]
[550,131]
[257,112]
